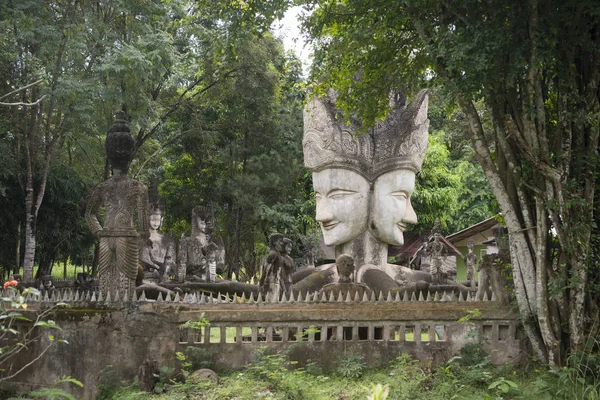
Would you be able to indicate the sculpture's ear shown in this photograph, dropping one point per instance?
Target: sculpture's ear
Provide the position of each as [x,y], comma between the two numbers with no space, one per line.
[417,109]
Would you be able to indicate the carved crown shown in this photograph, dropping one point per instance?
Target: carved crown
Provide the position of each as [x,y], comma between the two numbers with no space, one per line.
[400,141]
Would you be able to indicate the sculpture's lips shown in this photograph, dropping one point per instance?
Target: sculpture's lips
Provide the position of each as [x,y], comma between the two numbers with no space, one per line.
[402,226]
[329,225]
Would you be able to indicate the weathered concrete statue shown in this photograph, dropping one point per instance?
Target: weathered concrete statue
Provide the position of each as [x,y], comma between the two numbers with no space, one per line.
[270,281]
[120,196]
[198,253]
[436,268]
[471,262]
[363,183]
[158,255]
[288,268]
[422,258]
[345,285]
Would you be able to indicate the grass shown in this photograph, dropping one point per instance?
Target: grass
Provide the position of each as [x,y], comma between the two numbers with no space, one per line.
[273,377]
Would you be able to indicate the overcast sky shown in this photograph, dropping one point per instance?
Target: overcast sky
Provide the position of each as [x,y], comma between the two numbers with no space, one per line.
[288,29]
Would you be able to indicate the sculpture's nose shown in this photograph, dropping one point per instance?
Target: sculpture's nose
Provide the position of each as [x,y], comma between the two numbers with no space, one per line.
[410,216]
[323,211]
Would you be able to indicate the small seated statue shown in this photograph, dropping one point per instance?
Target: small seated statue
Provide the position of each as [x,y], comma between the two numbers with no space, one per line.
[288,268]
[157,256]
[47,286]
[199,253]
[345,269]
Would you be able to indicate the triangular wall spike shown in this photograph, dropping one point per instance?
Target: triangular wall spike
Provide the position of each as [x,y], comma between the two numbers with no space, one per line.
[71,296]
[460,296]
[373,297]
[389,297]
[357,297]
[405,297]
[365,297]
[340,297]
[284,298]
[445,296]
[177,299]
[292,298]
[259,298]
[380,297]
[227,298]
[251,299]
[485,296]
[243,298]
[143,296]
[76,296]
[429,296]
[126,297]
[331,297]
[413,297]
[93,299]
[46,299]
[453,296]
[494,298]
[397,297]
[108,298]
[323,297]
[469,298]
[168,297]
[159,299]
[202,298]
[348,297]
[218,299]
[134,298]
[315,297]
[421,296]
[437,296]
[307,299]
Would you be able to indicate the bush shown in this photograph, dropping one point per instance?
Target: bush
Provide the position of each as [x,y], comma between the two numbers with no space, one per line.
[350,365]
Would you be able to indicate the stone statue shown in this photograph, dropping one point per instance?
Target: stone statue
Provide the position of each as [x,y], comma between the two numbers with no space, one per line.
[157,256]
[422,258]
[198,252]
[490,277]
[363,183]
[345,269]
[120,196]
[270,280]
[471,262]
[47,286]
[288,268]
[436,268]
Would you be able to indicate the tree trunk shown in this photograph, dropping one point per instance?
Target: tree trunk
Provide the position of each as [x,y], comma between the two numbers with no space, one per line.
[30,242]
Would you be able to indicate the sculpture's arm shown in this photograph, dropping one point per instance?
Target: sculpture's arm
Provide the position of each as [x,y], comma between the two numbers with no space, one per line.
[143,211]
[92,207]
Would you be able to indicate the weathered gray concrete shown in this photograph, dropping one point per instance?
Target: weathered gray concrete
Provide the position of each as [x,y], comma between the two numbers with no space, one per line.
[125,334]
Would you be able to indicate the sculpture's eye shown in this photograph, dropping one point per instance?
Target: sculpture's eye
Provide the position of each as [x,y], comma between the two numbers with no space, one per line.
[339,194]
[400,195]
[318,196]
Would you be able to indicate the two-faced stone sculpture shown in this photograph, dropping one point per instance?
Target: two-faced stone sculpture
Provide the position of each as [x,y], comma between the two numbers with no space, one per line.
[363,183]
[120,196]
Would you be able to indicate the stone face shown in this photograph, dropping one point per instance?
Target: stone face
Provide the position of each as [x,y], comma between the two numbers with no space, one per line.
[120,196]
[363,183]
[342,198]
[392,210]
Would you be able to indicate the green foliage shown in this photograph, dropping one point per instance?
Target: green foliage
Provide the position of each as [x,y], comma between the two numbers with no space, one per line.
[351,365]
[379,392]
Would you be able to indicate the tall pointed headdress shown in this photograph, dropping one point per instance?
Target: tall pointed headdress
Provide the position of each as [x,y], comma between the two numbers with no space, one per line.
[398,142]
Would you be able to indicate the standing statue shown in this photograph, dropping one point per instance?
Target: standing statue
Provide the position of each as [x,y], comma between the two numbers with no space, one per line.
[157,256]
[471,261]
[198,252]
[436,268]
[363,183]
[422,258]
[120,196]
[288,268]
[270,280]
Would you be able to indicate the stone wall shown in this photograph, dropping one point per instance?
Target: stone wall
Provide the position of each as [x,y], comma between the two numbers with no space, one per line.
[126,333]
